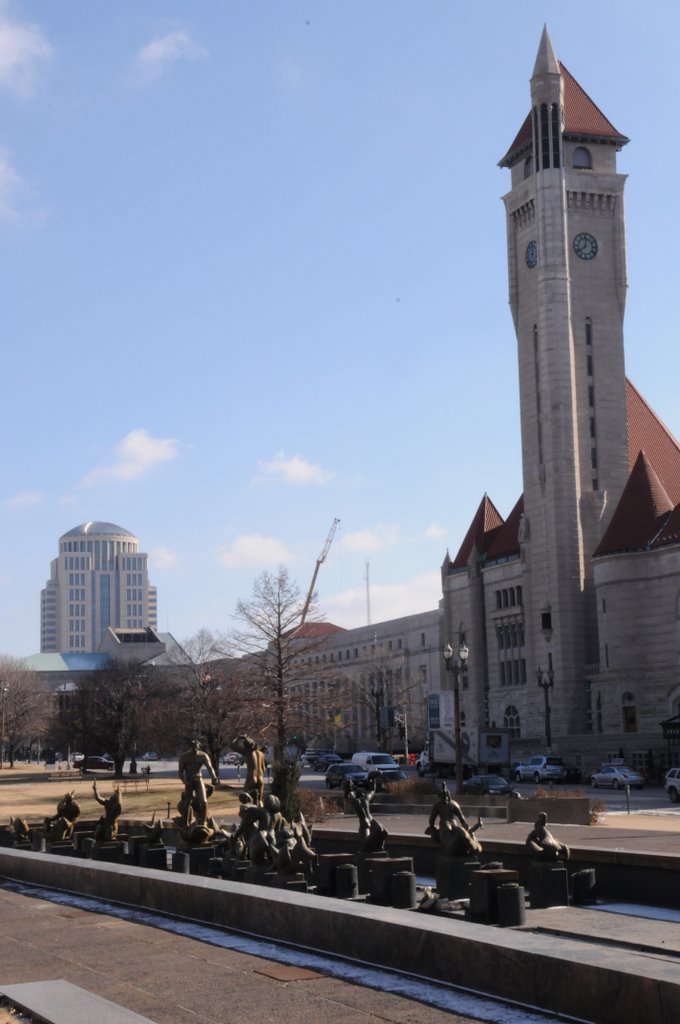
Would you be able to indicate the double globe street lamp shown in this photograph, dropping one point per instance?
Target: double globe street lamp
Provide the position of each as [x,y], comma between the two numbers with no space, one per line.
[457,670]
[546,681]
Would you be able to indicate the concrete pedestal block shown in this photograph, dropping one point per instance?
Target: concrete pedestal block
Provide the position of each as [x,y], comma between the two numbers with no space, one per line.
[511,905]
[584,887]
[199,859]
[346,882]
[180,862]
[381,875]
[152,855]
[365,862]
[483,893]
[109,852]
[453,876]
[327,868]
[404,890]
[38,843]
[86,847]
[548,885]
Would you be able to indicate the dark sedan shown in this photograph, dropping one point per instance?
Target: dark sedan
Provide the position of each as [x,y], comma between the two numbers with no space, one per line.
[337,774]
[494,785]
[323,761]
[96,764]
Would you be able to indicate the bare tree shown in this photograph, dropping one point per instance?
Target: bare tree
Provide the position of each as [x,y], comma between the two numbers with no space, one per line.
[385,690]
[108,710]
[209,700]
[24,703]
[280,669]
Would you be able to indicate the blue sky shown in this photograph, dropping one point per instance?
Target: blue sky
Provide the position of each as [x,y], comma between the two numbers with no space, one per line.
[254,278]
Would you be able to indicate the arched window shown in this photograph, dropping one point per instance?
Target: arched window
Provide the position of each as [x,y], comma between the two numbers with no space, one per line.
[582,159]
[629,713]
[511,721]
[528,167]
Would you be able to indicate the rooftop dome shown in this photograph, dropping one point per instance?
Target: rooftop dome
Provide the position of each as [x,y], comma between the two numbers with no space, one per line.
[87,529]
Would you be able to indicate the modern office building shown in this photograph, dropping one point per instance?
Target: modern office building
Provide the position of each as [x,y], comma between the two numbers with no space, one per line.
[570,607]
[99,580]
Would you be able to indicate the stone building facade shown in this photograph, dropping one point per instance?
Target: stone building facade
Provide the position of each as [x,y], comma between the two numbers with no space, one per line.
[570,607]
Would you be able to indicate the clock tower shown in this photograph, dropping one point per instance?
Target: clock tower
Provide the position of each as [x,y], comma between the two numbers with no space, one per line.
[567,281]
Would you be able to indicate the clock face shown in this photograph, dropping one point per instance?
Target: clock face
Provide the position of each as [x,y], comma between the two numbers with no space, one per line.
[532,255]
[585,246]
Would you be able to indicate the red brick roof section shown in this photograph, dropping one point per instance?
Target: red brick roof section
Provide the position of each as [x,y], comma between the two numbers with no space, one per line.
[643,511]
[505,541]
[582,118]
[480,534]
[312,630]
[647,433]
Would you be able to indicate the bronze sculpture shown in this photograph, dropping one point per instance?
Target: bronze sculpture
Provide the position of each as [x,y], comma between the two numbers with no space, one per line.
[106,829]
[193,805]
[255,763]
[372,835]
[542,843]
[60,826]
[455,836]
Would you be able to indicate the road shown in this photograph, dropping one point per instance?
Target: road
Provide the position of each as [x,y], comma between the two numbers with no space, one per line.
[651,798]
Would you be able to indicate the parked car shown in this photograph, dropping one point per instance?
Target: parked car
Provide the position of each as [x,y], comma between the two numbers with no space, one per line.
[309,757]
[338,773]
[323,761]
[616,776]
[573,773]
[494,785]
[232,758]
[97,763]
[672,784]
[541,769]
[150,755]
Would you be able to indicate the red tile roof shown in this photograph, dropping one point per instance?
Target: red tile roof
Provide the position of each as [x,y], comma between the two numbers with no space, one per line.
[505,541]
[582,118]
[647,433]
[641,514]
[486,522]
[648,513]
[313,630]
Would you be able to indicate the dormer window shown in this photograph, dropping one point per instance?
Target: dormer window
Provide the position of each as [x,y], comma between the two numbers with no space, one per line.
[582,159]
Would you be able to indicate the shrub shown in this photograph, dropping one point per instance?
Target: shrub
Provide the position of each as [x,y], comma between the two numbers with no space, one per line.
[557,794]
[285,779]
[315,806]
[413,786]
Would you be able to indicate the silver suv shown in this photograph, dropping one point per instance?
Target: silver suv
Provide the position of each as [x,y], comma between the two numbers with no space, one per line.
[541,769]
[672,784]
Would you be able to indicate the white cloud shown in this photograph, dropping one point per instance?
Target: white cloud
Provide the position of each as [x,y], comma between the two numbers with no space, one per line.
[153,59]
[365,541]
[435,531]
[135,455]
[23,499]
[163,558]
[254,549]
[422,593]
[22,48]
[295,470]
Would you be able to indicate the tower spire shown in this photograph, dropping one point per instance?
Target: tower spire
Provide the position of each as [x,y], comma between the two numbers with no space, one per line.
[546,61]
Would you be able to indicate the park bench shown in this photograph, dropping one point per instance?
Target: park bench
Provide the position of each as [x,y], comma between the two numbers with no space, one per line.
[64,775]
[135,784]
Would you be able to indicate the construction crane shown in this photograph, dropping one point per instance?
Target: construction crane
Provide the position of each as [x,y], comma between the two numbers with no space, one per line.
[319,562]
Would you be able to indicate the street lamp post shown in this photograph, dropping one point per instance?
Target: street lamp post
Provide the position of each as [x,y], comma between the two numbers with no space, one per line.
[546,681]
[3,688]
[457,671]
